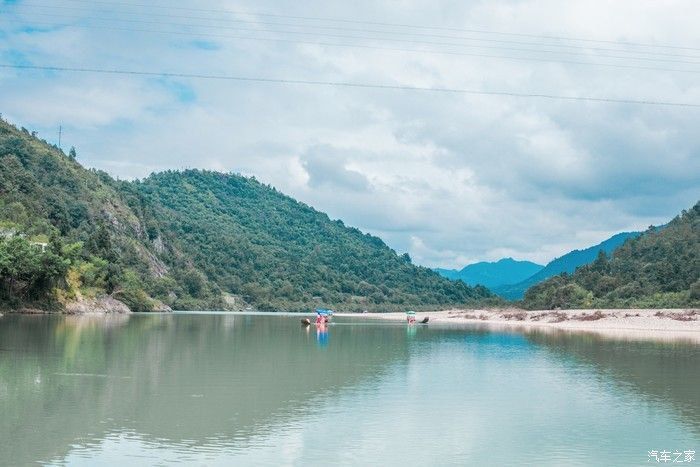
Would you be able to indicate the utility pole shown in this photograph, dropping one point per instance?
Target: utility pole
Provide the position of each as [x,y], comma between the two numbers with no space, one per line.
[60,130]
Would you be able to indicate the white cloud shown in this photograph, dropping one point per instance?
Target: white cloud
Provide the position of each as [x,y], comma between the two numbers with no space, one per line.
[450,178]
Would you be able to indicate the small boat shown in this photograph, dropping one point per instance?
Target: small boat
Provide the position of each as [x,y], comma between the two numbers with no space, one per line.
[305,322]
[323,315]
[425,320]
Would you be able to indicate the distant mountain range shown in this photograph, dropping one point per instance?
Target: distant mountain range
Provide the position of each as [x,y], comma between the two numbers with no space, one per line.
[566,263]
[659,268]
[510,279]
[493,274]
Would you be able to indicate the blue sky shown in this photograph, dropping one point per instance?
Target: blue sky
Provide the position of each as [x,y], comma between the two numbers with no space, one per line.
[450,178]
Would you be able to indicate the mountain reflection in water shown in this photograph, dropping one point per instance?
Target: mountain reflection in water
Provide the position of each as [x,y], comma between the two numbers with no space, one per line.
[217,388]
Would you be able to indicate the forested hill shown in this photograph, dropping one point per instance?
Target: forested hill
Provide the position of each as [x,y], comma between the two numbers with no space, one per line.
[566,263]
[190,240]
[96,244]
[277,252]
[658,269]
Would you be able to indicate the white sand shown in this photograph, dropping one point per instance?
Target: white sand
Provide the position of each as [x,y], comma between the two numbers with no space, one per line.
[631,324]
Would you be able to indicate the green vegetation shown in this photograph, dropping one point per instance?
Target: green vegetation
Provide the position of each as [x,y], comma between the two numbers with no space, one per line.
[564,264]
[29,272]
[46,194]
[189,240]
[275,252]
[659,269]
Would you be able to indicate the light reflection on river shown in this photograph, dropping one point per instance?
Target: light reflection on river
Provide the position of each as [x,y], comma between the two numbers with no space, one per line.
[223,389]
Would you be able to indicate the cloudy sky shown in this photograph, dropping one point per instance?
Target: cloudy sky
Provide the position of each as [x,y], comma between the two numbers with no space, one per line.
[452,178]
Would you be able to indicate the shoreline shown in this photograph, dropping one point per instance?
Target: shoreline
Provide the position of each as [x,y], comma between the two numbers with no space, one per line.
[630,324]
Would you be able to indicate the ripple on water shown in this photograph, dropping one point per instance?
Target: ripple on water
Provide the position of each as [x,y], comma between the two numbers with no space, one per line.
[195,389]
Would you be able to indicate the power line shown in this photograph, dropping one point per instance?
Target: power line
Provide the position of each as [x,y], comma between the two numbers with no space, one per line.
[353,85]
[345,36]
[374,31]
[389,24]
[370,47]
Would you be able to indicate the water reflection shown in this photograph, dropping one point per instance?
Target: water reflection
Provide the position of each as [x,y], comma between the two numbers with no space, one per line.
[661,372]
[212,388]
[185,378]
[411,331]
[322,335]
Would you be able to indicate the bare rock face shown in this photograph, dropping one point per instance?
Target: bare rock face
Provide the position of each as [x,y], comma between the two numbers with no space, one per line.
[159,245]
[155,265]
[102,304]
[230,299]
[159,306]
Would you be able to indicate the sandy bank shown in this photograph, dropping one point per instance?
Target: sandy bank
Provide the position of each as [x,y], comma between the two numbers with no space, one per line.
[665,325]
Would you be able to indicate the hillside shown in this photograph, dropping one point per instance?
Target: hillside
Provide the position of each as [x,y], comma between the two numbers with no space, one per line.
[658,269]
[566,263]
[276,252]
[97,244]
[493,274]
[188,240]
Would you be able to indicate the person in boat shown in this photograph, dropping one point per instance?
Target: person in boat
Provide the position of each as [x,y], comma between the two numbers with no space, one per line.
[323,315]
[411,317]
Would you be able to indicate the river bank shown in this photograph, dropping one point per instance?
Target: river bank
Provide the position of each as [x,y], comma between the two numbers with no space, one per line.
[658,324]
[104,304]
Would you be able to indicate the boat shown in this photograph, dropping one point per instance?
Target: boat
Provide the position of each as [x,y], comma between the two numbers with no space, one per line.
[425,320]
[305,322]
[323,315]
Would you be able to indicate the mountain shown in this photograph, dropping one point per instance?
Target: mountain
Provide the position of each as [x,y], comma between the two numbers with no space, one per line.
[657,269]
[186,240]
[566,263]
[493,274]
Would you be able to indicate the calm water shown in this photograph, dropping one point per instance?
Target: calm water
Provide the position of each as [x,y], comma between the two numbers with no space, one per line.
[222,389]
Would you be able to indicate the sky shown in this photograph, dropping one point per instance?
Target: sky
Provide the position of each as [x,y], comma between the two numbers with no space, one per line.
[450,178]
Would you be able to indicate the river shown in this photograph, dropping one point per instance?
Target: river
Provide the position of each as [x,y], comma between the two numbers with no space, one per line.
[251,389]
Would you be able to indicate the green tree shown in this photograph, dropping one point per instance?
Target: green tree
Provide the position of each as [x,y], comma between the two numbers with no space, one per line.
[660,268]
